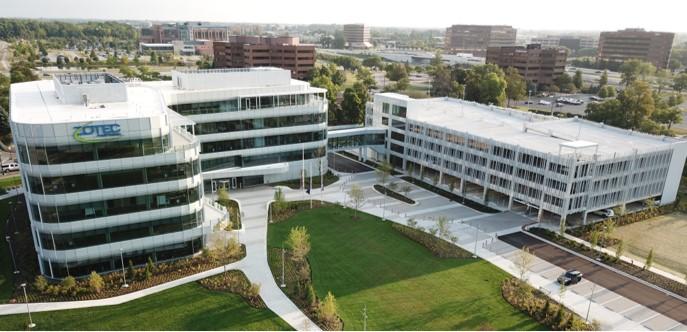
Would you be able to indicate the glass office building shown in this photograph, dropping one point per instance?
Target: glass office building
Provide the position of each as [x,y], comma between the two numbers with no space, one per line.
[108,174]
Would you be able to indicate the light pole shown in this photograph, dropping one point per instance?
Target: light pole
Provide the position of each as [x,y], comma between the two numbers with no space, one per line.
[475,253]
[283,261]
[365,318]
[26,299]
[14,262]
[14,219]
[121,256]
[589,306]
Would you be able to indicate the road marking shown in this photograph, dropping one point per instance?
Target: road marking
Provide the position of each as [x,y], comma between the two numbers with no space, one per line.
[650,318]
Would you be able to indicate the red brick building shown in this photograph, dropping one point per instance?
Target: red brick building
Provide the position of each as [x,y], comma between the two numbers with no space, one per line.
[254,51]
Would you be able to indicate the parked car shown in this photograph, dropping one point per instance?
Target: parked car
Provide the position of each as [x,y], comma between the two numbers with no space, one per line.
[596,98]
[606,213]
[544,102]
[570,277]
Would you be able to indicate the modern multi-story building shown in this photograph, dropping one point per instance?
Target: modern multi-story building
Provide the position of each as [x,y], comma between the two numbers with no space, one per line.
[561,168]
[476,39]
[570,42]
[255,125]
[253,51]
[108,174]
[622,45]
[537,65]
[357,35]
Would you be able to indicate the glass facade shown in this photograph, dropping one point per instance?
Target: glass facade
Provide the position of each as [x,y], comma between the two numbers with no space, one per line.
[63,154]
[245,103]
[263,159]
[263,141]
[139,257]
[355,141]
[105,180]
[119,233]
[260,123]
[112,207]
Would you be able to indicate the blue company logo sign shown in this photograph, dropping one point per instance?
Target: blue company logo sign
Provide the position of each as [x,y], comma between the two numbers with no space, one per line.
[89,133]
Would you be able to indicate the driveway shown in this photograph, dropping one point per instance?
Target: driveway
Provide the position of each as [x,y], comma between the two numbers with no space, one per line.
[648,297]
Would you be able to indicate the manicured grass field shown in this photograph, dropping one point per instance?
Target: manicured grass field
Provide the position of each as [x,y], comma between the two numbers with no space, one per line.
[366,262]
[187,307]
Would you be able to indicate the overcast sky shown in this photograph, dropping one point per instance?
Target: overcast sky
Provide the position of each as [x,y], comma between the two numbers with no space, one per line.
[661,15]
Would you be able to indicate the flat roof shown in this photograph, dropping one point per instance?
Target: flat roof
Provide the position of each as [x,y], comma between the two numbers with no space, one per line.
[37,102]
[530,130]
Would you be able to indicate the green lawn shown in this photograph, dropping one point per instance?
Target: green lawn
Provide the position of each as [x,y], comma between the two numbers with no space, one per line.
[187,307]
[367,262]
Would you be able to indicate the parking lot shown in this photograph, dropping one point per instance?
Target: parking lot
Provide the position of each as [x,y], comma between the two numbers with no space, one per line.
[552,107]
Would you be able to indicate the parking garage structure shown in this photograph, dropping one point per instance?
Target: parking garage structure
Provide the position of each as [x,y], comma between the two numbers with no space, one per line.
[561,169]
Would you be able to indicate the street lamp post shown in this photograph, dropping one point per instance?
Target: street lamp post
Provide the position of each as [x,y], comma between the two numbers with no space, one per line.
[474,255]
[26,299]
[121,257]
[589,306]
[283,261]
[14,262]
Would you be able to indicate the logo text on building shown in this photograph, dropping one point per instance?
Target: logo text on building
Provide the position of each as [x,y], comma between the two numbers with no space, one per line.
[91,133]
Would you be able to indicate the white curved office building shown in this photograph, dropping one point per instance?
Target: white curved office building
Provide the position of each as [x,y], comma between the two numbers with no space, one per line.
[108,174]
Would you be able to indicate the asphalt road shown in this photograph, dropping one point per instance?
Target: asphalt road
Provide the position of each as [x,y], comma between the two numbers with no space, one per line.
[345,165]
[631,289]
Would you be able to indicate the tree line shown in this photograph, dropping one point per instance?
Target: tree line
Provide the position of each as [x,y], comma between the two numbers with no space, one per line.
[64,34]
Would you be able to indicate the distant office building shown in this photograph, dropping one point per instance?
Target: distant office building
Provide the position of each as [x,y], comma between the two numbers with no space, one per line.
[546,42]
[622,45]
[586,42]
[200,31]
[253,51]
[156,47]
[476,39]
[540,66]
[160,34]
[357,35]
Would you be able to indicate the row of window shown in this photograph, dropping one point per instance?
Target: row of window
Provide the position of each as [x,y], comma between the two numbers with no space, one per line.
[112,207]
[396,110]
[245,103]
[356,140]
[63,154]
[84,182]
[106,235]
[260,123]
[263,141]
[83,267]
[265,159]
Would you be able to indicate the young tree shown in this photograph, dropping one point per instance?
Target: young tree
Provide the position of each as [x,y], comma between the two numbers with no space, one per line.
[680,82]
[253,290]
[515,85]
[95,282]
[223,196]
[233,247]
[328,312]
[577,79]
[384,172]
[406,189]
[620,249]
[523,262]
[442,226]
[299,243]
[130,270]
[357,196]
[594,238]
[603,80]
[649,259]
[353,104]
[68,283]
[311,296]
[279,203]
[632,70]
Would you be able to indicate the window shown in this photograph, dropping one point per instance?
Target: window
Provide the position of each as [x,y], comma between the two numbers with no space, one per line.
[385,108]
[385,121]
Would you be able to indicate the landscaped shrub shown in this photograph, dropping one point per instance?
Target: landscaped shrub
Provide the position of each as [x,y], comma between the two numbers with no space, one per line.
[71,289]
[439,247]
[538,306]
[236,282]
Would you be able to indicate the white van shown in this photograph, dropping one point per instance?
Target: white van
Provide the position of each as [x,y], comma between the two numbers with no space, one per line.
[10,167]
